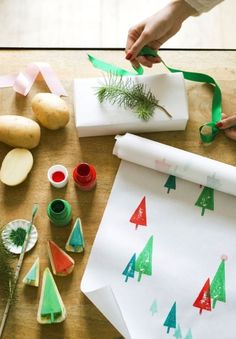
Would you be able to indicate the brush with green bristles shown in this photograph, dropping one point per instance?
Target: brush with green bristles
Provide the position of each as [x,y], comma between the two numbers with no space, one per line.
[127,94]
[15,275]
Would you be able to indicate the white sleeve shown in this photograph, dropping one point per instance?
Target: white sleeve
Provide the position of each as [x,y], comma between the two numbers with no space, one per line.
[203,5]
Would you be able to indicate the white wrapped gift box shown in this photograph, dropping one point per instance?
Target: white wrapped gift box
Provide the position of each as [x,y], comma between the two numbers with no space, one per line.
[94,118]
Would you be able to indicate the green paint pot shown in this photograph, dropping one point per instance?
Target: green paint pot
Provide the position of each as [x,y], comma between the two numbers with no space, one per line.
[59,212]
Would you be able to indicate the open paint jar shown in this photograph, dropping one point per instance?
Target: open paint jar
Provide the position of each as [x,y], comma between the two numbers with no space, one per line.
[58,176]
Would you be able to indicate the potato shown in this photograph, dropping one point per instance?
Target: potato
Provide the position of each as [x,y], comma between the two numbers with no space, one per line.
[19,131]
[16,166]
[50,110]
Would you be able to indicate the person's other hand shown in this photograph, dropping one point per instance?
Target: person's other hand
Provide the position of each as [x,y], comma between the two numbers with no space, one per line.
[226,124]
[156,30]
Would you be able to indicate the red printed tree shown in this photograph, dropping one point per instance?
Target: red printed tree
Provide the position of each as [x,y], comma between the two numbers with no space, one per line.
[203,300]
[139,217]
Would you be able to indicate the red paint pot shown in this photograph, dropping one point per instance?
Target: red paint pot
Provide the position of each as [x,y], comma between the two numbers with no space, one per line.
[58,176]
[84,176]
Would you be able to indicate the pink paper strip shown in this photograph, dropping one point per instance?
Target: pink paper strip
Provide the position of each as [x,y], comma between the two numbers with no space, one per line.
[23,82]
[7,80]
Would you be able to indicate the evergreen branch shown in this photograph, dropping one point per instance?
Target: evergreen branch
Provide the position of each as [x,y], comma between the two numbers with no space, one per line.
[7,275]
[127,94]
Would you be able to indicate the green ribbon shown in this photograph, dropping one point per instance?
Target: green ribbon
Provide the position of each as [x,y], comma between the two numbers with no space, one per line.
[216,109]
[104,66]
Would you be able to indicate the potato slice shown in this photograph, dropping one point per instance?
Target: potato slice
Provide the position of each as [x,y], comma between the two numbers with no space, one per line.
[16,166]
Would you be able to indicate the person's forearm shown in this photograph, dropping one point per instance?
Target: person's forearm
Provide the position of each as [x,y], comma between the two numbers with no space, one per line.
[203,5]
[182,9]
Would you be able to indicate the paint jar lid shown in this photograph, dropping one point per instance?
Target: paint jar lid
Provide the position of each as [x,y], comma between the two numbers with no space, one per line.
[58,176]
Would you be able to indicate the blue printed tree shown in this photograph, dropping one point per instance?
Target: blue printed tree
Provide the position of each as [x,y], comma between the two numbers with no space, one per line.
[188,335]
[170,183]
[139,216]
[206,199]
[178,333]
[129,271]
[217,288]
[170,321]
[153,307]
[143,263]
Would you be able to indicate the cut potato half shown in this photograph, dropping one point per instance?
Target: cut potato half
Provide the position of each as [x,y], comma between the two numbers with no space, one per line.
[16,166]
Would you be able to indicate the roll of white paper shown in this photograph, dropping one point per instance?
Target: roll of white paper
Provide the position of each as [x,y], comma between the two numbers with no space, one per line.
[174,161]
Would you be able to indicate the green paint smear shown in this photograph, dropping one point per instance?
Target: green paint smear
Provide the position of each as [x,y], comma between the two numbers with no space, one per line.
[18,236]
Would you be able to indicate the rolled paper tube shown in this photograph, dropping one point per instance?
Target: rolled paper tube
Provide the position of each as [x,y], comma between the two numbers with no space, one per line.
[58,176]
[59,212]
[84,176]
[174,161]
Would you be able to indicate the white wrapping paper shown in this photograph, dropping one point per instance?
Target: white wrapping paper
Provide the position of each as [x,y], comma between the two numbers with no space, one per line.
[171,160]
[188,247]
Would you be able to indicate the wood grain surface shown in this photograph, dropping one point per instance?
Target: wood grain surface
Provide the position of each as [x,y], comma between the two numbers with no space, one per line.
[84,321]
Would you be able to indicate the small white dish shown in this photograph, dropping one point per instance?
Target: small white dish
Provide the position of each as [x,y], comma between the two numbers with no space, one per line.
[13,226]
[60,169]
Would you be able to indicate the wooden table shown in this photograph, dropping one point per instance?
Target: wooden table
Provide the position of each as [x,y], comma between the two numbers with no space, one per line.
[63,146]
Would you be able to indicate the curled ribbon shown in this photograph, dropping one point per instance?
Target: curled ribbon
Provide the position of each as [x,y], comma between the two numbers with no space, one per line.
[216,109]
[23,82]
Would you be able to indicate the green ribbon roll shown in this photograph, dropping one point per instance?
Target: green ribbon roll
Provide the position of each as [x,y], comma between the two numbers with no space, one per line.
[216,109]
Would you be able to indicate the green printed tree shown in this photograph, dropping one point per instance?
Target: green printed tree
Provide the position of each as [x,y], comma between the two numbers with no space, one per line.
[139,216]
[203,301]
[217,288]
[170,183]
[170,321]
[206,199]
[153,307]
[129,271]
[178,333]
[188,335]
[143,263]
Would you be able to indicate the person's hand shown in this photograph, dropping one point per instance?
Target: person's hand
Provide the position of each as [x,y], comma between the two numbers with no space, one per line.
[155,30]
[226,124]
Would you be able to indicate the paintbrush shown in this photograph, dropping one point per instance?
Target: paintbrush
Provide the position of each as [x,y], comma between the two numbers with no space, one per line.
[18,268]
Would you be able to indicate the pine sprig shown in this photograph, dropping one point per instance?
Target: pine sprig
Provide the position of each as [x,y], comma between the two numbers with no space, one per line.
[127,94]
[7,275]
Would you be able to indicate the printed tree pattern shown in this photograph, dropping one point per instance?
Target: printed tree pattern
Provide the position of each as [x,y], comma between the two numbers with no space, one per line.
[206,199]
[143,263]
[213,182]
[170,321]
[188,335]
[203,300]
[178,334]
[129,271]
[153,307]
[217,289]
[139,216]
[170,183]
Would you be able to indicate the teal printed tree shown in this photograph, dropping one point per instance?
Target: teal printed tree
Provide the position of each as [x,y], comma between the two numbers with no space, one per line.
[203,301]
[178,334]
[139,216]
[170,183]
[153,307]
[206,199]
[217,289]
[143,263]
[188,335]
[129,271]
[170,321]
